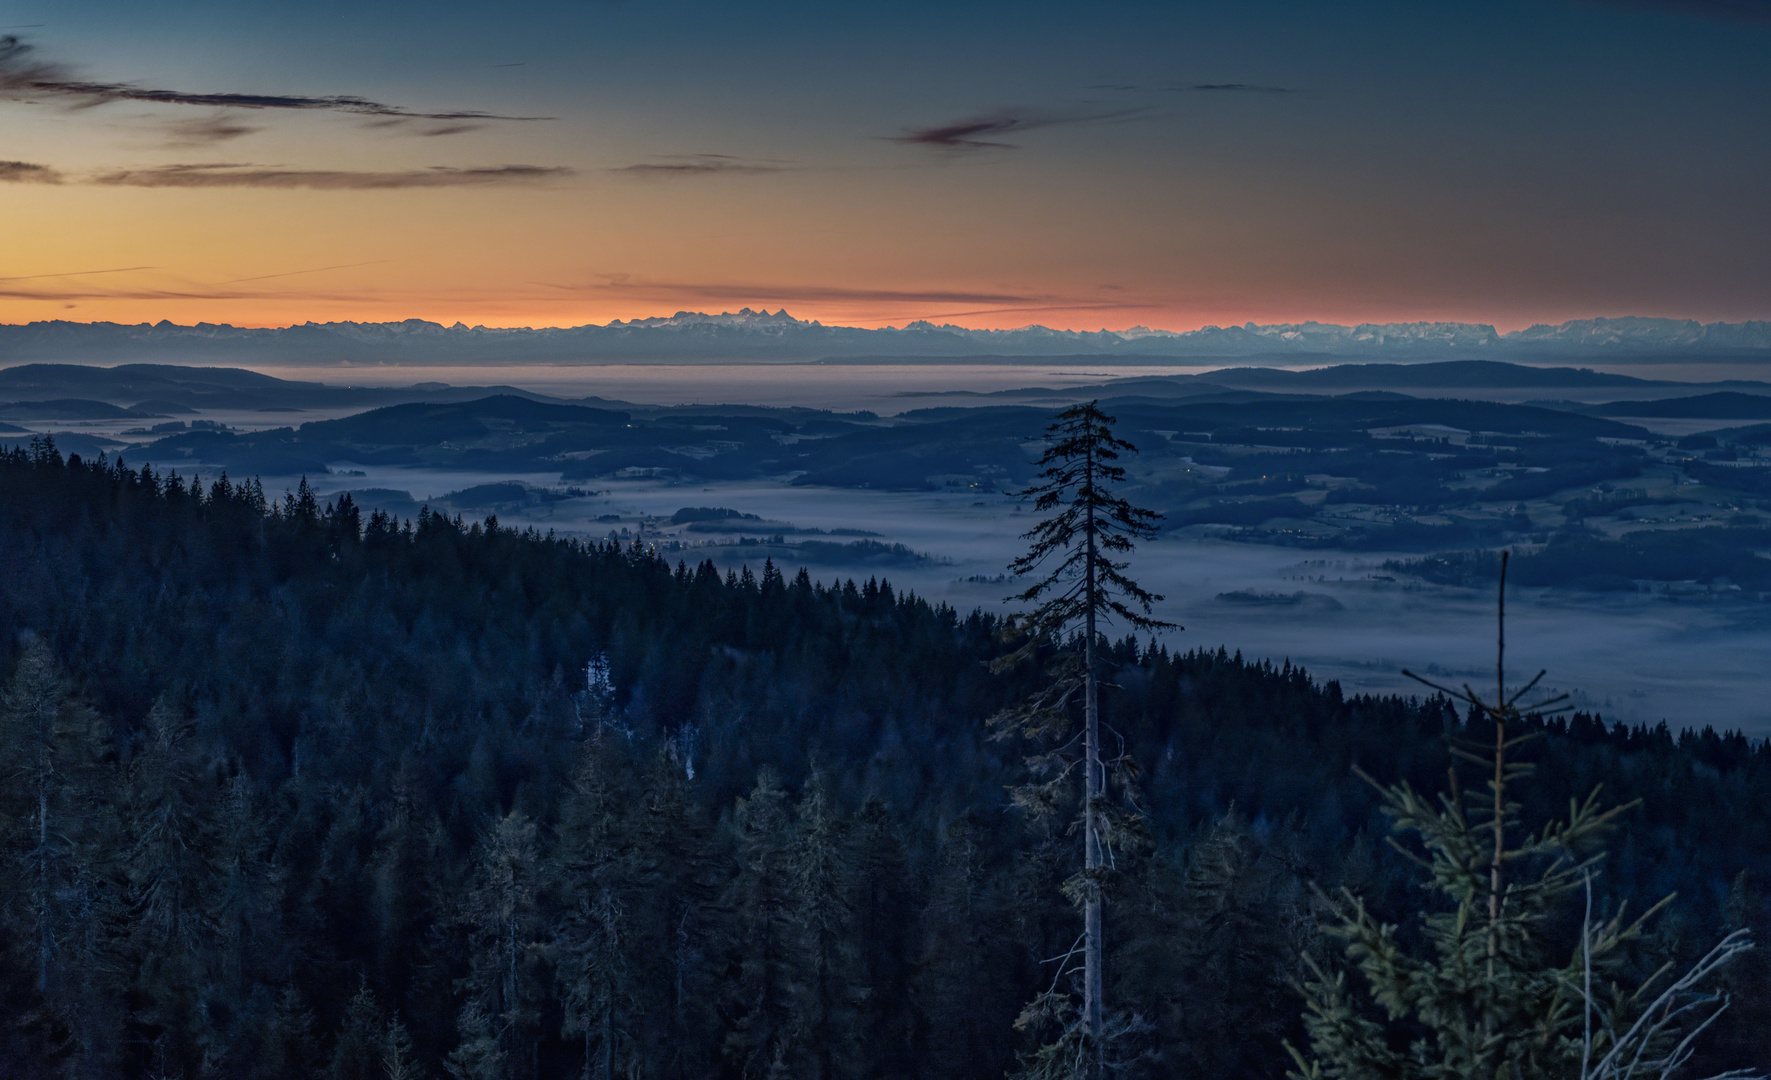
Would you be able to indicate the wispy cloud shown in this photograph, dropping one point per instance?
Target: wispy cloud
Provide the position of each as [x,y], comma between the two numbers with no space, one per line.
[1196,88]
[449,129]
[1228,88]
[207,131]
[79,273]
[25,172]
[160,286]
[251,176]
[25,78]
[981,132]
[186,293]
[675,165]
[406,125]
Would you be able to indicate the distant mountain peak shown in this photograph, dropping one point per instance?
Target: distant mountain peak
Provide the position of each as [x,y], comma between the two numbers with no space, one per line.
[743,317]
[1637,332]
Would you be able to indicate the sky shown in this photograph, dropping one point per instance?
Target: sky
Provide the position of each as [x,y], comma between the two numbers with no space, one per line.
[1170,165]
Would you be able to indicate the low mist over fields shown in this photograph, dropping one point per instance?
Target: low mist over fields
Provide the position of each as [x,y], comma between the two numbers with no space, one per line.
[1337,517]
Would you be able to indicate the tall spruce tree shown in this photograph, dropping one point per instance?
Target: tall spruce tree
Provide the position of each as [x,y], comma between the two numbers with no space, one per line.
[171,878]
[357,1052]
[242,903]
[761,1031]
[962,1022]
[1207,941]
[288,1046]
[675,904]
[593,873]
[829,999]
[404,895]
[884,902]
[1082,585]
[498,1022]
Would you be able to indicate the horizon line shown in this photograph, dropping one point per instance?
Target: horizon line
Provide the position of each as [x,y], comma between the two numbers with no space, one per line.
[781,312]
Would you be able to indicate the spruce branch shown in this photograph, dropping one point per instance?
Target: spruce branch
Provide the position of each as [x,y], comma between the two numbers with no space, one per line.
[1484,999]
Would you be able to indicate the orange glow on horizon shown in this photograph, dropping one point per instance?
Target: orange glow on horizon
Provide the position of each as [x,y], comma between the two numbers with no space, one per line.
[559,258]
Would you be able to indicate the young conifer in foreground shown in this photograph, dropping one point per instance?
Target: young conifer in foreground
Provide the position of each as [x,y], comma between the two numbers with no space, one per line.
[1490,1000]
[1084,585]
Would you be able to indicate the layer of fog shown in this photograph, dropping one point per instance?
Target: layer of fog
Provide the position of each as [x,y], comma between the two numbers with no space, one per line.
[1691,661]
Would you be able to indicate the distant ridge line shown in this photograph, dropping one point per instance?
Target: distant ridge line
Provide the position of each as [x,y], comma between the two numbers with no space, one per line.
[753,336]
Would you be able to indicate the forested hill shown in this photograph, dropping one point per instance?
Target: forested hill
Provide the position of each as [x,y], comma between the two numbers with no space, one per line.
[289,792]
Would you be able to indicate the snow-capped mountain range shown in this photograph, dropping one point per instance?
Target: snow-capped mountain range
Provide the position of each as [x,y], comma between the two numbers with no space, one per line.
[747,335]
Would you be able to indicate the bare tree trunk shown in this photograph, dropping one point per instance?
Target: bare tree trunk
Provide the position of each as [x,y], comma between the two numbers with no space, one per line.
[1500,773]
[1093,978]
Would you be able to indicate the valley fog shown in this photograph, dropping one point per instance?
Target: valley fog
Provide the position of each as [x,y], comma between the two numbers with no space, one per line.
[1636,658]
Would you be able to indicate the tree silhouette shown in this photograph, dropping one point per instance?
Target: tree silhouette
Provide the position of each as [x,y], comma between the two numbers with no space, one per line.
[1082,583]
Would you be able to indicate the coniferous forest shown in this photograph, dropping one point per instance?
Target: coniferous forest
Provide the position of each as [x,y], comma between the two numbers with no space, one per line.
[288,791]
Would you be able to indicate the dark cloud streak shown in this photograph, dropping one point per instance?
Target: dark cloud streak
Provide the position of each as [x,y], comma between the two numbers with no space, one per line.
[207,131]
[25,172]
[1229,88]
[24,78]
[683,165]
[1196,88]
[247,176]
[977,133]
